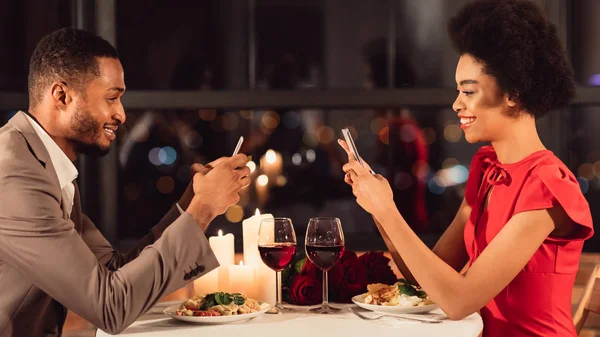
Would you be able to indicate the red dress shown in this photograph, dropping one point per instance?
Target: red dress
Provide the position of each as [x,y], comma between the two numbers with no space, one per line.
[537,302]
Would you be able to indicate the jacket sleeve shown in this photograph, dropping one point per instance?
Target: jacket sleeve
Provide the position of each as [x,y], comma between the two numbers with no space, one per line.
[37,240]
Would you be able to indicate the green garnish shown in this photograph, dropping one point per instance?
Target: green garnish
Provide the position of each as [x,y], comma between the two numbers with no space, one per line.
[221,298]
[410,290]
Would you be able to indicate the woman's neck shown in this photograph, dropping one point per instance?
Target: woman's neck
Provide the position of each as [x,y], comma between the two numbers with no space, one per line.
[519,141]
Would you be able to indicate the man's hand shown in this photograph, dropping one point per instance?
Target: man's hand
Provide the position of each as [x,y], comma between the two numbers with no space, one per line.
[187,196]
[218,189]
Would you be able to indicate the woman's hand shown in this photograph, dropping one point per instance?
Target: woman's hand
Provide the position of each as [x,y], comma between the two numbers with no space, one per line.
[372,191]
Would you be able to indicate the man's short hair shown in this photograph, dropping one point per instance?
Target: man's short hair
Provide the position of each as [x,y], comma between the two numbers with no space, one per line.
[68,55]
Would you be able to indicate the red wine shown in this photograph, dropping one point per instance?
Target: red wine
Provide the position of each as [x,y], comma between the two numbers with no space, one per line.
[278,255]
[324,257]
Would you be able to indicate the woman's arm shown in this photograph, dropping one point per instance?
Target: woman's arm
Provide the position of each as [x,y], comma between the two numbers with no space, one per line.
[457,295]
[450,247]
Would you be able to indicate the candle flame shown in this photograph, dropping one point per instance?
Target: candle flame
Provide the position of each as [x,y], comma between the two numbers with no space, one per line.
[257,212]
[220,232]
[242,263]
[262,180]
[271,156]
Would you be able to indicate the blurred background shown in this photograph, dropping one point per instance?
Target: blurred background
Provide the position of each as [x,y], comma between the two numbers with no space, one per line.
[288,75]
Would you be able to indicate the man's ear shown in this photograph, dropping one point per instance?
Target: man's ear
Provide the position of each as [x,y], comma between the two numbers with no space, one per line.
[61,94]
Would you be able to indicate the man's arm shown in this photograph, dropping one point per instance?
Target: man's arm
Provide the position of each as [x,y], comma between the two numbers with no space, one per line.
[36,240]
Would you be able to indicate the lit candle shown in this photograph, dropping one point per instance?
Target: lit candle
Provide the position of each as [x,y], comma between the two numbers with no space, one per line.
[241,279]
[272,163]
[250,229]
[262,189]
[223,248]
[265,287]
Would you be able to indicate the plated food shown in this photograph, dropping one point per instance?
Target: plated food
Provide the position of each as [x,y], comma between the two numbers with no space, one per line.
[218,304]
[400,293]
[398,298]
[217,308]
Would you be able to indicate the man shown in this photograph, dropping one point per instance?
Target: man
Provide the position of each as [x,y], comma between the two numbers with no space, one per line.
[52,257]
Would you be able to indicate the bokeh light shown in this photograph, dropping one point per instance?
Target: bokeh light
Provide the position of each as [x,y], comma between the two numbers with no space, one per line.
[271,156]
[586,170]
[297,159]
[429,135]
[234,213]
[408,133]
[230,121]
[450,162]
[384,135]
[270,120]
[281,181]
[436,185]
[377,124]
[167,155]
[262,180]
[207,114]
[165,184]
[251,165]
[193,139]
[452,133]
[311,155]
[584,184]
[246,114]
[325,134]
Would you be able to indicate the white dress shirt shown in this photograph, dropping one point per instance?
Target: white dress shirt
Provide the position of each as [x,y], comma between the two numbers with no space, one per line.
[65,170]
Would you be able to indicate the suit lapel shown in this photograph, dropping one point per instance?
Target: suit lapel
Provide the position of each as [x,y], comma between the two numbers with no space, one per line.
[37,148]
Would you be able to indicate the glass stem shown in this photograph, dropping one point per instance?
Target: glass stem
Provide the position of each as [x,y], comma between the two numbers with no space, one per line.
[278,295]
[325,290]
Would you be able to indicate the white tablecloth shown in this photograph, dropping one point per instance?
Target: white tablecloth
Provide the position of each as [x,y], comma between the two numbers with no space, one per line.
[302,324]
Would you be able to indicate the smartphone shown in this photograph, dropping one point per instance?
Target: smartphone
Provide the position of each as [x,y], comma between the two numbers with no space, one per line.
[350,141]
[238,146]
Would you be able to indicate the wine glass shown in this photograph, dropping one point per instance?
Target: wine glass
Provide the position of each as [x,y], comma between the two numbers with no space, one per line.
[277,245]
[324,248]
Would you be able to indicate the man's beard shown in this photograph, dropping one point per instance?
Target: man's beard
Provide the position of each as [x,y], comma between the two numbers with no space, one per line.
[85,129]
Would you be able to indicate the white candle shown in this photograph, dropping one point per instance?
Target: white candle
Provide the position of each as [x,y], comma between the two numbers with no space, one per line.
[250,229]
[223,248]
[265,287]
[241,279]
[208,283]
[266,284]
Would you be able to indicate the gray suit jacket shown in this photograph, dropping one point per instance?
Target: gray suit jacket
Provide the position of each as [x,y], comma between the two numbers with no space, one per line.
[49,261]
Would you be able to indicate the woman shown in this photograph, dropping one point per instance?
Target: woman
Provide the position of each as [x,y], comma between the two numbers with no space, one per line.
[521,226]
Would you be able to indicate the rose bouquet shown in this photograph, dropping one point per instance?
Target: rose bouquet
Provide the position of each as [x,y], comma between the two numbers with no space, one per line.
[302,280]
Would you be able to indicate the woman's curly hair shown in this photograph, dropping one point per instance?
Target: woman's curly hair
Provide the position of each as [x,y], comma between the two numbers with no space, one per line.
[519,47]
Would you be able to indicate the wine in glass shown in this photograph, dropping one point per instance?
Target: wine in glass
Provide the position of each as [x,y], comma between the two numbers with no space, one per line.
[324,248]
[277,245]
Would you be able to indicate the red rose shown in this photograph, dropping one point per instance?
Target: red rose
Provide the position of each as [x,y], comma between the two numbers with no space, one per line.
[305,290]
[352,279]
[378,268]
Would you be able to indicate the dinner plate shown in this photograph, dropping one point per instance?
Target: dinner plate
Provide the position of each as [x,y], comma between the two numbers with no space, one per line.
[392,309]
[171,311]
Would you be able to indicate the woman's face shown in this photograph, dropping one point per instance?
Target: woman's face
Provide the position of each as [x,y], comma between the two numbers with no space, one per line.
[484,110]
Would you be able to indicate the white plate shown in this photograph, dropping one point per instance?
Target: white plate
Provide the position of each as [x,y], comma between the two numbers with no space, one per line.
[392,309]
[172,312]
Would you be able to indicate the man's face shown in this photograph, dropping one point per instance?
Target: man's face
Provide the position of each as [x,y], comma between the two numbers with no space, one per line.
[96,116]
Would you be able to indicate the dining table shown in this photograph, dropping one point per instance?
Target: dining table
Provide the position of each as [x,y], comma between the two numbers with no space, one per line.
[302,323]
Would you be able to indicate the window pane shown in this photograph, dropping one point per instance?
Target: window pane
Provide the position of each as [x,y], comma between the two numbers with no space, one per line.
[196,45]
[22,24]
[585,44]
